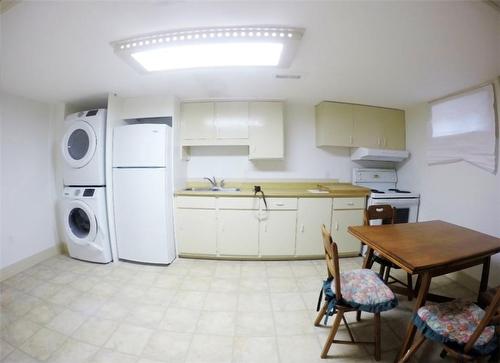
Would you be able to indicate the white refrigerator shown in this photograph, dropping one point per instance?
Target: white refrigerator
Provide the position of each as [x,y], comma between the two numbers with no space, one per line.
[142,193]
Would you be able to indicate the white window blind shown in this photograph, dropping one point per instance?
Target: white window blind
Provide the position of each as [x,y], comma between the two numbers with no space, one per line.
[463,128]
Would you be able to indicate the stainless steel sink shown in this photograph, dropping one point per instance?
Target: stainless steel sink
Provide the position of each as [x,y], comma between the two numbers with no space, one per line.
[213,189]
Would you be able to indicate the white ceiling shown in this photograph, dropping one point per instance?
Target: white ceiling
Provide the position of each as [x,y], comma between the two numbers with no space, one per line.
[382,53]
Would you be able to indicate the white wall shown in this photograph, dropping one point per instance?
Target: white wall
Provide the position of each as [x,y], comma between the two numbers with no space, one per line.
[303,160]
[27,179]
[459,193]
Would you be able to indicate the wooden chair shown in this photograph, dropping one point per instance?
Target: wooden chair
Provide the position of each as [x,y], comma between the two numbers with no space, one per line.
[385,213]
[347,289]
[467,341]
[485,300]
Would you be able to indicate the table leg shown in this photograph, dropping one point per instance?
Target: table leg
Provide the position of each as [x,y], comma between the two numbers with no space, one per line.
[411,329]
[485,275]
[368,261]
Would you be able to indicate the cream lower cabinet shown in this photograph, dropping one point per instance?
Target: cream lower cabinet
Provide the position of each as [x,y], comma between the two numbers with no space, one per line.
[238,227]
[277,227]
[242,227]
[277,233]
[311,214]
[347,212]
[238,233]
[195,225]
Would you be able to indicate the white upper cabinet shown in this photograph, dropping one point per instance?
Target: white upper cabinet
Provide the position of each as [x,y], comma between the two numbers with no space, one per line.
[231,120]
[343,124]
[334,124]
[266,130]
[256,124]
[198,121]
[394,130]
[368,126]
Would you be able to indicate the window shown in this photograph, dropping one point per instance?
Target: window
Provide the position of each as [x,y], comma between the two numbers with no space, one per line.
[463,128]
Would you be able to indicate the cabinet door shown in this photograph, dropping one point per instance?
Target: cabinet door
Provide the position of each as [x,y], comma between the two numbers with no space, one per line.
[197,121]
[311,214]
[341,219]
[231,120]
[277,233]
[238,233]
[196,231]
[394,130]
[334,124]
[368,126]
[266,134]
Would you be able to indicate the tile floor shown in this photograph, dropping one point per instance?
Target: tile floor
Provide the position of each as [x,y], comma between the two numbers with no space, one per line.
[68,311]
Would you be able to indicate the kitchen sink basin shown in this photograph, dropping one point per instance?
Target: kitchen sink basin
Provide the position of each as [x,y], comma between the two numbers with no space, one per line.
[214,189]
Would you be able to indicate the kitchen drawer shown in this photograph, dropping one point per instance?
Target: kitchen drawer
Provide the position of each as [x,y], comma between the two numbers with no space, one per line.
[237,203]
[195,202]
[280,203]
[349,203]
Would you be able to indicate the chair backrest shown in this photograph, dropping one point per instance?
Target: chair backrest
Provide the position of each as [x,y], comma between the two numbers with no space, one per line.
[491,316]
[332,260]
[383,212]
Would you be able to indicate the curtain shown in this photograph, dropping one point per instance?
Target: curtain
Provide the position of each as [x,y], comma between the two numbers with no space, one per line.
[463,128]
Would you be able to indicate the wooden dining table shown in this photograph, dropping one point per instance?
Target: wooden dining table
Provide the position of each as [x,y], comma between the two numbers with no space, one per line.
[428,249]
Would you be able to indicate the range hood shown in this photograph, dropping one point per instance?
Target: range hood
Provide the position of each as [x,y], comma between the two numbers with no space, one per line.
[364,153]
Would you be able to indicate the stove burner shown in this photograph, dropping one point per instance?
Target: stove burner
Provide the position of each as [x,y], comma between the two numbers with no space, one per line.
[377,191]
[400,191]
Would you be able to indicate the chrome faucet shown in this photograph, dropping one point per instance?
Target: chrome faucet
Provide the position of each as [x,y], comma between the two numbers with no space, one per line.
[213,181]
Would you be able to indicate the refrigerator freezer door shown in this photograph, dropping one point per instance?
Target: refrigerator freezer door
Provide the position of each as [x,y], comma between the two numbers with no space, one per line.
[143,215]
[141,145]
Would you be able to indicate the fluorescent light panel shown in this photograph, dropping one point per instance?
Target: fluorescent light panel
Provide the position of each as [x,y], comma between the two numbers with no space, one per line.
[211,47]
[210,55]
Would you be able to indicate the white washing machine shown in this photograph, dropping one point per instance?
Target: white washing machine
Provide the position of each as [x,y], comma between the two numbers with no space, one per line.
[85,223]
[83,148]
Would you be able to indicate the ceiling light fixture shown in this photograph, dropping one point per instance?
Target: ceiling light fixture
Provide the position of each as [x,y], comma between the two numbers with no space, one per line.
[248,46]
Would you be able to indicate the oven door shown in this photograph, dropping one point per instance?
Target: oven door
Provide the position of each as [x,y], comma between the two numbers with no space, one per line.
[406,208]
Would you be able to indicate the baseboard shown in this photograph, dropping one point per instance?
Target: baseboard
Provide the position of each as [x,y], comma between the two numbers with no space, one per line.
[28,262]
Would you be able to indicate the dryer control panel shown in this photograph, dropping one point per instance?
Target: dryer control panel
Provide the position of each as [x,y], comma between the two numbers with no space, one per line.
[72,192]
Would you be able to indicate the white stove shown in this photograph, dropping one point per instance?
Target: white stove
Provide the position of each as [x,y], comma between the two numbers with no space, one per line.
[382,183]
[393,193]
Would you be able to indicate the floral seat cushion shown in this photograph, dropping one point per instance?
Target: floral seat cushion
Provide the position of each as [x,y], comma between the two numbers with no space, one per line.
[454,323]
[363,289]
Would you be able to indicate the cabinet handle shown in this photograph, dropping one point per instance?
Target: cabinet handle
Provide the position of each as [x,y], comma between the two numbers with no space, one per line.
[281,204]
[337,226]
[385,141]
[350,139]
[350,203]
[265,227]
[378,141]
[302,228]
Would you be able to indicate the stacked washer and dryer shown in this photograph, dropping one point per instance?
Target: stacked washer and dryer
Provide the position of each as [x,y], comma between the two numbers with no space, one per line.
[84,197]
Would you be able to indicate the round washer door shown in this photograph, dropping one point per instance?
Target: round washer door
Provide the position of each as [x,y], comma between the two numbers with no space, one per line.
[79,144]
[81,223]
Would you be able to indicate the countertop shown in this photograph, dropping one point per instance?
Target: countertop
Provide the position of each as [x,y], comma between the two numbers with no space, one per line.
[281,189]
